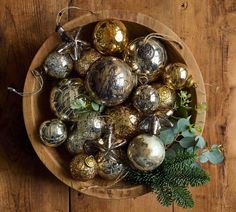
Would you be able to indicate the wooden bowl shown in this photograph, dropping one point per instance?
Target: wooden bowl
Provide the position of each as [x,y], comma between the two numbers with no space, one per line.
[36,108]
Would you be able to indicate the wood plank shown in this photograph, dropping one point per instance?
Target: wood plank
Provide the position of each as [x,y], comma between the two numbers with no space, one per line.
[25,184]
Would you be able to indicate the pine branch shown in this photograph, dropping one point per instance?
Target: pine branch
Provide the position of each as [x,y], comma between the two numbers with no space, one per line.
[183,197]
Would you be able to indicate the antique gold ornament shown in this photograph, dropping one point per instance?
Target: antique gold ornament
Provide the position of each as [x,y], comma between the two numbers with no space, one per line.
[53,132]
[83,167]
[146,152]
[147,58]
[110,36]
[110,81]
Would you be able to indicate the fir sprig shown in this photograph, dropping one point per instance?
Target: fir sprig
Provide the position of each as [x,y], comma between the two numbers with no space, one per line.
[170,181]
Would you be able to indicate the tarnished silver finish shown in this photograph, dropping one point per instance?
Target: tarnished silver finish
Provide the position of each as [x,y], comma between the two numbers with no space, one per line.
[147,59]
[67,99]
[90,125]
[75,142]
[108,168]
[146,152]
[146,99]
[53,132]
[58,65]
[110,81]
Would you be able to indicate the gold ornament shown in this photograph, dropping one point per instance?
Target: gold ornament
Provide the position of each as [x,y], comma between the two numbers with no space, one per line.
[68,101]
[176,76]
[110,36]
[146,152]
[83,167]
[146,99]
[146,58]
[110,81]
[108,168]
[87,58]
[166,94]
[124,120]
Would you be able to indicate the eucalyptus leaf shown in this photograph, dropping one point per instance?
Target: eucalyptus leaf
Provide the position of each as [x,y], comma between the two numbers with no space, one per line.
[189,133]
[183,124]
[200,141]
[187,142]
[167,136]
[215,156]
[203,158]
[95,106]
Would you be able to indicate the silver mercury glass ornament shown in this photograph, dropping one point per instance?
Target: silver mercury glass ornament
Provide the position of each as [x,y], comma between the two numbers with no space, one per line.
[53,132]
[147,57]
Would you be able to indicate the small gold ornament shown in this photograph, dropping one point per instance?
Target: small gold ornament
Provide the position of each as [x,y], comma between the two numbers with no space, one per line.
[146,152]
[146,58]
[83,167]
[166,94]
[68,101]
[176,76]
[58,65]
[110,37]
[87,58]
[146,99]
[53,132]
[124,120]
[108,168]
[110,81]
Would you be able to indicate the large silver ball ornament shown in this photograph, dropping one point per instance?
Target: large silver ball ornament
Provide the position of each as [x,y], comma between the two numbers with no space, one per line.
[53,132]
[146,99]
[110,81]
[147,59]
[146,152]
[58,65]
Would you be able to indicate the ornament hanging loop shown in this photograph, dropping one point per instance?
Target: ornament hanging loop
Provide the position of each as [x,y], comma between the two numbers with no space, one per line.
[163,37]
[38,76]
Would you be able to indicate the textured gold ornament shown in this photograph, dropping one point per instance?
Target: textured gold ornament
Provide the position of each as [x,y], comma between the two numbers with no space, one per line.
[110,81]
[87,58]
[146,99]
[110,36]
[147,59]
[124,120]
[176,75]
[83,167]
[146,152]
[108,167]
[167,95]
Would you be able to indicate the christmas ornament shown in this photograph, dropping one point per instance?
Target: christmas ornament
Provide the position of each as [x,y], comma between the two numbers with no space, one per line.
[58,65]
[146,99]
[146,152]
[124,120]
[53,132]
[176,76]
[166,94]
[90,147]
[90,125]
[75,142]
[83,167]
[110,36]
[108,167]
[146,57]
[68,101]
[87,58]
[110,81]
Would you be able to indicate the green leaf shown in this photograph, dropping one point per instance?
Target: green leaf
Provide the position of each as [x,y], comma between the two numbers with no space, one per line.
[203,158]
[95,106]
[170,153]
[183,124]
[200,141]
[189,133]
[167,136]
[187,142]
[215,156]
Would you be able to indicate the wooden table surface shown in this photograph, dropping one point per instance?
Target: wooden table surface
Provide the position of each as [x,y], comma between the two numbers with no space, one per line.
[208,27]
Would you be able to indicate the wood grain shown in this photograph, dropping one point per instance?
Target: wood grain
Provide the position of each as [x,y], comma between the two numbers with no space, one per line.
[207,27]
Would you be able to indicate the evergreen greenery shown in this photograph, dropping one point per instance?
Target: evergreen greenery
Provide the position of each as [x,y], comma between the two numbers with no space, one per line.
[170,181]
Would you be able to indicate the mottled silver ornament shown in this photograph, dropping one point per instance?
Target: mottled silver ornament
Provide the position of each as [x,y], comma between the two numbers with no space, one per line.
[146,152]
[53,132]
[58,65]
[90,125]
[68,100]
[110,81]
[147,58]
[146,99]
[108,167]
